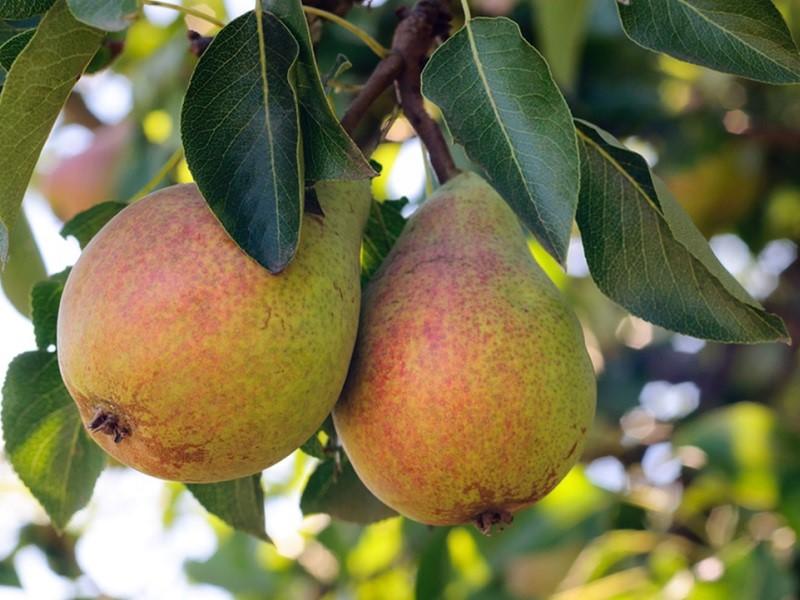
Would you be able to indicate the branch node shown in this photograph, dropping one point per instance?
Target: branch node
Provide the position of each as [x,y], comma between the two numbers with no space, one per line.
[419,27]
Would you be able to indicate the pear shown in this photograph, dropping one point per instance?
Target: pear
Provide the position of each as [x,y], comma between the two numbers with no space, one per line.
[470,392]
[79,182]
[189,361]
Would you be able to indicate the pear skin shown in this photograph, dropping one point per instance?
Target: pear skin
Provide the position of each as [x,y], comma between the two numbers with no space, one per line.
[470,392]
[188,360]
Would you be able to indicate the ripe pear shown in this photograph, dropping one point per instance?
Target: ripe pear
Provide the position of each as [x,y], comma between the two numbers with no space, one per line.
[188,360]
[79,182]
[470,392]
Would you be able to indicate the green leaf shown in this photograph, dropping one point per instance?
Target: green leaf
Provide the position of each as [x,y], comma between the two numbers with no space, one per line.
[384,225]
[560,31]
[11,48]
[24,268]
[35,89]
[314,446]
[20,9]
[4,244]
[240,503]
[45,440]
[108,15]
[340,66]
[329,151]
[743,37]
[241,134]
[342,495]
[237,566]
[9,29]
[742,445]
[45,298]
[8,575]
[576,511]
[644,252]
[751,573]
[108,53]
[85,225]
[434,569]
[502,105]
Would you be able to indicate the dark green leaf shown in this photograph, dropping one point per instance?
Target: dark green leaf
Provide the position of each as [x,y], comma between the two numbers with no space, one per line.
[109,52]
[329,151]
[35,90]
[743,37]
[85,225]
[342,495]
[8,575]
[11,48]
[7,31]
[434,566]
[45,299]
[24,268]
[109,15]
[241,134]
[644,252]
[517,126]
[20,9]
[240,503]
[314,446]
[45,440]
[384,225]
[560,31]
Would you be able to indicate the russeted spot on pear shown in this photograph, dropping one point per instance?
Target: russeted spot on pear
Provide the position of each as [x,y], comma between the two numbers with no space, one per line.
[471,392]
[188,360]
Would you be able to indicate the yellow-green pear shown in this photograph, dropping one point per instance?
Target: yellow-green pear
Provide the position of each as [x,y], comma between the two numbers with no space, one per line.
[471,392]
[187,359]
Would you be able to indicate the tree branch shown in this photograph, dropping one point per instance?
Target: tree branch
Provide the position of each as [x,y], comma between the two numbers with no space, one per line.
[428,130]
[382,77]
[413,38]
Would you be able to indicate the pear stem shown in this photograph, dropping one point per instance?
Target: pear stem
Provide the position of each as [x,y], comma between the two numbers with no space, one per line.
[148,187]
[368,40]
[192,12]
[428,130]
[380,79]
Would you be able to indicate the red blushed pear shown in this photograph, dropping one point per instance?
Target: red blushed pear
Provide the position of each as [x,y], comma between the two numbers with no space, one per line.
[471,392]
[187,359]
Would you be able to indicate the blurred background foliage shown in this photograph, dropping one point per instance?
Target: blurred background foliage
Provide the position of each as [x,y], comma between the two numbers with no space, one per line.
[690,483]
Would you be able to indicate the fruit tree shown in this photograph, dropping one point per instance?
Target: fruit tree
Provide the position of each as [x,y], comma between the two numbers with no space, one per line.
[479,298]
